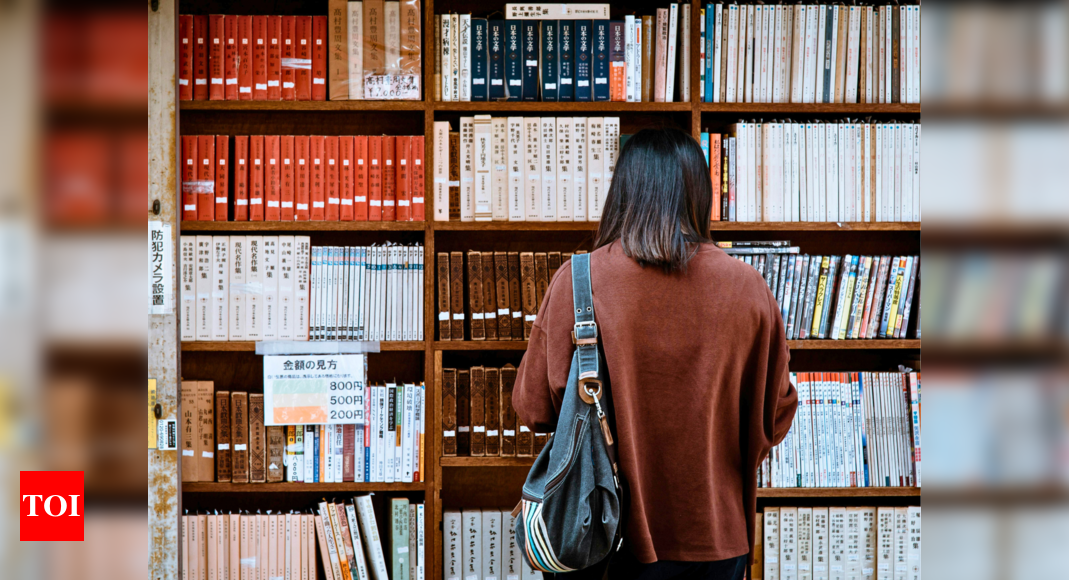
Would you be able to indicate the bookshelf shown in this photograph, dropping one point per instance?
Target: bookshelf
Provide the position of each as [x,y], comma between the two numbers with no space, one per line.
[494,482]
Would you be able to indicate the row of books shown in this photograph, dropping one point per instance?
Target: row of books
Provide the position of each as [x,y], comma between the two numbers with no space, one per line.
[753,53]
[504,290]
[302,177]
[360,50]
[850,430]
[524,168]
[477,415]
[841,171]
[284,545]
[281,288]
[481,545]
[545,58]
[837,542]
[835,297]
[225,438]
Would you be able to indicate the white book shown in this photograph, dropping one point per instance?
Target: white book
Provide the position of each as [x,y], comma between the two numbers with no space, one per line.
[821,547]
[717,52]
[556,11]
[853,53]
[888,57]
[899,173]
[865,171]
[532,164]
[286,317]
[579,169]
[673,33]
[491,545]
[370,286]
[901,557]
[637,66]
[853,543]
[464,38]
[254,287]
[797,171]
[408,433]
[867,543]
[547,200]
[374,434]
[915,55]
[907,172]
[788,545]
[269,280]
[372,543]
[878,152]
[596,183]
[452,545]
[187,260]
[472,536]
[383,304]
[831,98]
[482,160]
[747,58]
[870,67]
[441,167]
[760,55]
[741,175]
[916,172]
[220,278]
[516,165]
[612,149]
[753,167]
[394,399]
[731,82]
[383,444]
[771,539]
[338,446]
[309,453]
[781,82]
[903,60]
[418,276]
[804,543]
[421,543]
[499,178]
[811,49]
[684,60]
[467,169]
[238,268]
[913,550]
[771,36]
[565,170]
[821,53]
[356,49]
[455,61]
[834,175]
[359,564]
[446,54]
[798,55]
[630,52]
[885,543]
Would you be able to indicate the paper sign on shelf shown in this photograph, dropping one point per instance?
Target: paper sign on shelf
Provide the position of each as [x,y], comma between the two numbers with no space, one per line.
[314,389]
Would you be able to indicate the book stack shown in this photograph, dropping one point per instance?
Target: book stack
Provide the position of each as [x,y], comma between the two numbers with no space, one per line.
[482,544]
[504,289]
[835,297]
[754,53]
[564,52]
[225,438]
[302,177]
[262,288]
[362,50]
[851,430]
[845,542]
[477,415]
[790,172]
[524,168]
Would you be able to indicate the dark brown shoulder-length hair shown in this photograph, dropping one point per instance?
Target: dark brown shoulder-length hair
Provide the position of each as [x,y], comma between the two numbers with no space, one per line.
[660,200]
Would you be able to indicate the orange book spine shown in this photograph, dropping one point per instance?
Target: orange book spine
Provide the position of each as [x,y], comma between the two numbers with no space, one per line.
[304,54]
[206,178]
[360,178]
[274,58]
[389,179]
[319,194]
[216,37]
[288,177]
[231,62]
[256,178]
[245,40]
[189,177]
[714,172]
[345,156]
[185,57]
[332,178]
[241,178]
[304,170]
[289,24]
[272,179]
[374,179]
[319,58]
[403,163]
[418,182]
[222,175]
[617,82]
[200,57]
[259,58]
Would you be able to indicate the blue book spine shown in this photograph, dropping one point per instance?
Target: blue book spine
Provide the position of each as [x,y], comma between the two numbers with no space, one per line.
[478,59]
[530,60]
[584,54]
[315,462]
[705,145]
[496,70]
[550,62]
[601,60]
[566,53]
[513,64]
[710,36]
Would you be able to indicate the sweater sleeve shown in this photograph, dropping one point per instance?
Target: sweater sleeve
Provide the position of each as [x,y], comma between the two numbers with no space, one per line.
[780,396]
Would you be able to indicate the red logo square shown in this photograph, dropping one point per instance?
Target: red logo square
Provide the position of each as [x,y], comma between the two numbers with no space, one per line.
[52,506]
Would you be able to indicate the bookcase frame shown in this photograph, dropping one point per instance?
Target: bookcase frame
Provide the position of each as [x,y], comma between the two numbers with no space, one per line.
[472,482]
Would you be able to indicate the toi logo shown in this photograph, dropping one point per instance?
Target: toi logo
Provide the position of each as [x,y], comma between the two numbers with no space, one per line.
[51,506]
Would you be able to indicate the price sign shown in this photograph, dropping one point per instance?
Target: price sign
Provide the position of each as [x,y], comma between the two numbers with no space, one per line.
[314,389]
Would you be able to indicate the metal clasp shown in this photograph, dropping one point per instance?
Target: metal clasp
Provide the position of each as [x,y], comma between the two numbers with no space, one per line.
[585,341]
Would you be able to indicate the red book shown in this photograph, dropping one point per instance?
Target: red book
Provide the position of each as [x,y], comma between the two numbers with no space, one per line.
[217,37]
[200,57]
[389,179]
[418,183]
[333,178]
[230,59]
[289,26]
[272,179]
[222,174]
[360,181]
[288,177]
[189,177]
[259,58]
[348,162]
[245,41]
[303,42]
[303,189]
[404,178]
[241,178]
[256,178]
[318,191]
[319,58]
[274,58]
[206,178]
[715,158]
[374,179]
[185,57]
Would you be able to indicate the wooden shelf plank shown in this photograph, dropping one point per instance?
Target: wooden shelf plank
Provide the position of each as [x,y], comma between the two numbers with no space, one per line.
[487,461]
[602,106]
[480,345]
[818,226]
[812,108]
[875,344]
[290,487]
[318,226]
[302,105]
[513,226]
[838,492]
[250,346]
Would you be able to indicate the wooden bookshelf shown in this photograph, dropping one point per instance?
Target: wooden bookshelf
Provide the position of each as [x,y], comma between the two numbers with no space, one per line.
[495,481]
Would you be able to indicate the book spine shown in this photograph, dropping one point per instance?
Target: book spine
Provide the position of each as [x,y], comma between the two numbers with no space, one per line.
[566,56]
[464,53]
[617,60]
[479,60]
[496,45]
[584,60]
[388,162]
[514,66]
[319,58]
[600,70]
[549,63]
[529,55]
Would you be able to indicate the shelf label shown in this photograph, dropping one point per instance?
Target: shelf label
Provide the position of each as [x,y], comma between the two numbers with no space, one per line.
[314,389]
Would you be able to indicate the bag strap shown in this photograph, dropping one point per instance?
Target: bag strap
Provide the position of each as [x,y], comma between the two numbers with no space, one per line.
[585,332]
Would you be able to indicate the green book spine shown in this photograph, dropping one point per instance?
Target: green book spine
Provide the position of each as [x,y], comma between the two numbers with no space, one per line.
[399,552]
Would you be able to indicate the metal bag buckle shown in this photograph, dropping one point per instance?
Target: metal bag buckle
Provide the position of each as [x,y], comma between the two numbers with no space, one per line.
[585,341]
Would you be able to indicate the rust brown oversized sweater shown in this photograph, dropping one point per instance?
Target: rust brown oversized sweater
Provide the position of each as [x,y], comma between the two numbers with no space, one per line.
[698,364]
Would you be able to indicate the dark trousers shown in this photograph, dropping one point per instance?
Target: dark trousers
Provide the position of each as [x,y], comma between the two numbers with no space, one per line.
[625,567]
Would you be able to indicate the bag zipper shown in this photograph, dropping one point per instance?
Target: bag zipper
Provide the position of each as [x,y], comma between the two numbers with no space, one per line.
[580,424]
